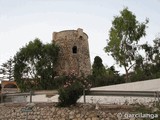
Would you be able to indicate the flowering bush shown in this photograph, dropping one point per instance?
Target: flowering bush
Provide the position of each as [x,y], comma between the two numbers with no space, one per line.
[71,91]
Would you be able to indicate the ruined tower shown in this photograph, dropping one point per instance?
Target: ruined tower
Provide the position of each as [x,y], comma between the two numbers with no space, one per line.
[74,52]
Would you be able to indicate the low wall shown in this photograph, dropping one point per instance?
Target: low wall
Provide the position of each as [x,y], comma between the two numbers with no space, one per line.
[49,111]
[147,85]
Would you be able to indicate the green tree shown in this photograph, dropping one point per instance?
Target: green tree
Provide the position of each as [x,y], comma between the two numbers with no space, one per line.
[156,51]
[147,67]
[98,73]
[148,52]
[124,35]
[35,65]
[7,70]
[98,68]
[152,57]
[111,71]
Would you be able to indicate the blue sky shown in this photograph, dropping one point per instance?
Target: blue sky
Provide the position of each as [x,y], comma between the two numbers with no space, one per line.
[23,20]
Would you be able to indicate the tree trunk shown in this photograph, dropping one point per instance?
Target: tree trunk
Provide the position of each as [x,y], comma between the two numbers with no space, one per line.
[127,76]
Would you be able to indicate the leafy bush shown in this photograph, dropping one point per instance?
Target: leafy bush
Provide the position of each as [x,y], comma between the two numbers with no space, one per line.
[71,91]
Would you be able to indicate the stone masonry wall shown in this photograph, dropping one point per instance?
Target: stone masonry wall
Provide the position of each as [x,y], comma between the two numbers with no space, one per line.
[49,111]
[74,52]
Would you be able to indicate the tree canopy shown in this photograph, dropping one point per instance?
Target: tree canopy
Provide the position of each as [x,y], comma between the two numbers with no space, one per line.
[124,35]
[7,70]
[98,67]
[35,65]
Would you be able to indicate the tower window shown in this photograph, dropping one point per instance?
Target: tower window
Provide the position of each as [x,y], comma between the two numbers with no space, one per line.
[80,37]
[74,49]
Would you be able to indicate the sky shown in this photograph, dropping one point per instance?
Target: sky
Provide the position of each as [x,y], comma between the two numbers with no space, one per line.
[22,21]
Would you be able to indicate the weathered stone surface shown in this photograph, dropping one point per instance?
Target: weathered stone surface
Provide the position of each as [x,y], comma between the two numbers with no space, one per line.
[74,52]
[88,119]
[94,118]
[46,112]
[78,115]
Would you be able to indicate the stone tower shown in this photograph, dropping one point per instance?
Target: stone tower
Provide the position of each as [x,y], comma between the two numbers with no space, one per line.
[74,52]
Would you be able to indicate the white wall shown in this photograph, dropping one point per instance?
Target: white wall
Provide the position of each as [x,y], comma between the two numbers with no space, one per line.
[148,85]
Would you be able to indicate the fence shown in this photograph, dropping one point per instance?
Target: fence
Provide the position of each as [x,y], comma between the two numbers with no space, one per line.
[153,94]
[31,93]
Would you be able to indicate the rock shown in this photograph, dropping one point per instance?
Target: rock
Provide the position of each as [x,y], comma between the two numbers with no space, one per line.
[94,118]
[88,119]
[53,109]
[78,115]
[71,116]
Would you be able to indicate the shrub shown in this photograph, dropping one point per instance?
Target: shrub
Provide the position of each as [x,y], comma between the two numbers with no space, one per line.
[71,91]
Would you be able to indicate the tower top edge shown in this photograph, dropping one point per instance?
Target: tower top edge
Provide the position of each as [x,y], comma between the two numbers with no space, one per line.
[71,31]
